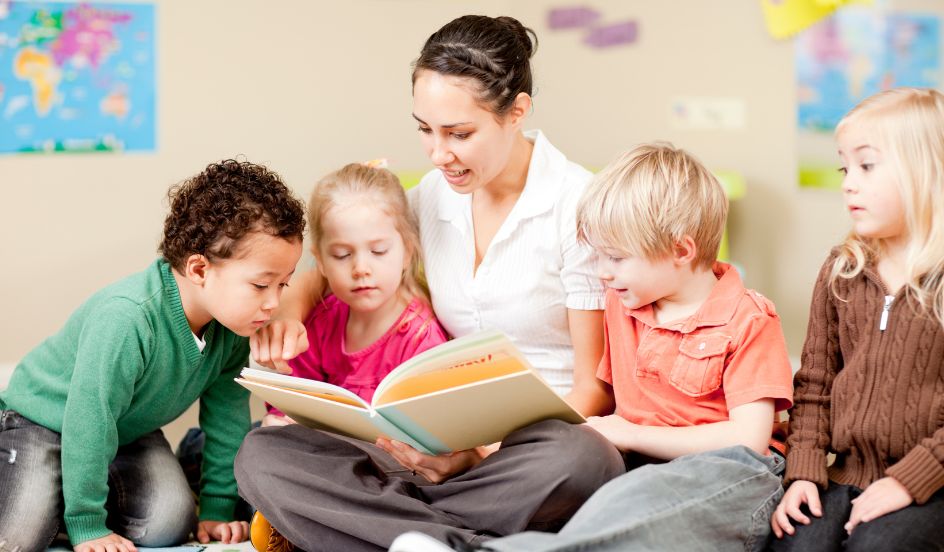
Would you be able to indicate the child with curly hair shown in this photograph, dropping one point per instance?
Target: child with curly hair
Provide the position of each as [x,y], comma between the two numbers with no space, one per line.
[80,436]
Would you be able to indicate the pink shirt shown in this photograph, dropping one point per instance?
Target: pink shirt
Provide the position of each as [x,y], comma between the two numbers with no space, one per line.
[328,360]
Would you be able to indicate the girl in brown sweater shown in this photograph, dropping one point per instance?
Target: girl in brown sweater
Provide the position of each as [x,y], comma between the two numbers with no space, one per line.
[871,386]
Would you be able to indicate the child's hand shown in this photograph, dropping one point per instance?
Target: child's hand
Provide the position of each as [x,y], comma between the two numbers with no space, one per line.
[279,341]
[800,492]
[108,543]
[434,468]
[225,532]
[617,430]
[883,496]
[270,420]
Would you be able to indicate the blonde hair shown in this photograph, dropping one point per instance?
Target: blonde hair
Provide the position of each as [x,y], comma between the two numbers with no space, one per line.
[908,127]
[648,199]
[382,188]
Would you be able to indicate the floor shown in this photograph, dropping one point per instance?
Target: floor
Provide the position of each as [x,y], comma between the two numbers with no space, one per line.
[193,547]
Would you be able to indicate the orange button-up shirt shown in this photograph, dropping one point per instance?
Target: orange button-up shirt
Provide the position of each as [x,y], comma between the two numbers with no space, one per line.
[693,371]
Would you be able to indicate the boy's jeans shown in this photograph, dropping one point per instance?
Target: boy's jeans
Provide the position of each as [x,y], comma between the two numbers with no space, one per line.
[719,500]
[148,501]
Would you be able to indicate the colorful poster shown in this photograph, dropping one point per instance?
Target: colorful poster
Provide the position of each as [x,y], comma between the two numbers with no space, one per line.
[857,53]
[785,18]
[77,77]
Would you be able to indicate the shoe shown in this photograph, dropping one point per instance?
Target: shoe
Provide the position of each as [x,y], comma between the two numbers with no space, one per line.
[415,541]
[265,538]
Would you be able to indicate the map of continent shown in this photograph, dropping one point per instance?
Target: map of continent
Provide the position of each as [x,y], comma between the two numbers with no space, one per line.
[76,77]
[859,52]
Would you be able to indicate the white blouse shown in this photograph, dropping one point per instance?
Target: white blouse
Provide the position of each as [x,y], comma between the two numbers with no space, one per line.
[534,268]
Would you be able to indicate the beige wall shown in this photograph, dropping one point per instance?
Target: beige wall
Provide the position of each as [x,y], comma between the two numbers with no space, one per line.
[306,86]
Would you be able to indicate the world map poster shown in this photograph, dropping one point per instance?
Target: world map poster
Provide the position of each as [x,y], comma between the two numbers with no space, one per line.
[859,52]
[76,77]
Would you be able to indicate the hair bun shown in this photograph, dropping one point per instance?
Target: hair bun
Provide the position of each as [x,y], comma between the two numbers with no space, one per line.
[526,36]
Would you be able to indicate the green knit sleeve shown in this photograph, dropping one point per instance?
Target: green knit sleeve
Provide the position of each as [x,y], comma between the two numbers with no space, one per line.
[224,418]
[110,355]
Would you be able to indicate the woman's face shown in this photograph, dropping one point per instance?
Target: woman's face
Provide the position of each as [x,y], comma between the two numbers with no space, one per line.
[463,139]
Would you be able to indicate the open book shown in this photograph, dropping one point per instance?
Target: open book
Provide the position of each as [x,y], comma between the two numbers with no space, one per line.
[467,392]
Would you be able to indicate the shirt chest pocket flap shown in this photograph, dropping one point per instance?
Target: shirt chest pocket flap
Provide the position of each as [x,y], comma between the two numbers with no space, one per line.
[699,366]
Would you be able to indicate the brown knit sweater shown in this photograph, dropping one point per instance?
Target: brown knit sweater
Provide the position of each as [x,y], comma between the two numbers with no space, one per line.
[874,397]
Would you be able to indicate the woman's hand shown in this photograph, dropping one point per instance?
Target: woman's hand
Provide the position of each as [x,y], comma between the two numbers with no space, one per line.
[434,468]
[279,341]
[800,492]
[883,496]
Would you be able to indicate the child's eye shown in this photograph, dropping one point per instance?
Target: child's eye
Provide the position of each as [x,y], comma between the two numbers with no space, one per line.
[340,256]
[379,252]
[423,129]
[614,259]
[461,135]
[260,286]
[283,285]
[843,170]
[866,167]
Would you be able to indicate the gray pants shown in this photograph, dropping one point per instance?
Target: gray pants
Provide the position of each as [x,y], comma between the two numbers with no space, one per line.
[148,498]
[325,492]
[719,500]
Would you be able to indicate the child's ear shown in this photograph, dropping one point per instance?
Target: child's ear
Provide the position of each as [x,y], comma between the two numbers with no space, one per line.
[195,268]
[685,251]
[318,264]
[407,256]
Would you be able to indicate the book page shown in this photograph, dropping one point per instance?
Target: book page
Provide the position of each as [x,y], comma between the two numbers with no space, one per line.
[311,387]
[478,413]
[473,349]
[328,414]
[488,367]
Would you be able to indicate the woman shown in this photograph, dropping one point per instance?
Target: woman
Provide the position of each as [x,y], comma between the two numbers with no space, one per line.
[498,231]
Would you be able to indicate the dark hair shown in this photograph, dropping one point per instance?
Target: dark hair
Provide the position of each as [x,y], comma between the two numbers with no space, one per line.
[493,51]
[212,211]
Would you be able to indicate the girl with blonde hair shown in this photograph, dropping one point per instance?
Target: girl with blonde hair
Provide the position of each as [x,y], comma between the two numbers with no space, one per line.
[871,385]
[373,313]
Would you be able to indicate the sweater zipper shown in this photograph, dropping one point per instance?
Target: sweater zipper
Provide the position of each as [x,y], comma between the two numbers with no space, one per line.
[883,322]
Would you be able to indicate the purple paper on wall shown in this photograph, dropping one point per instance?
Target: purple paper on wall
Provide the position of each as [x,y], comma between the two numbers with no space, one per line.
[572,17]
[615,34]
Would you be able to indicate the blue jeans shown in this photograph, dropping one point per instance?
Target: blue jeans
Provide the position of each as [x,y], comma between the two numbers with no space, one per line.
[148,503]
[914,527]
[719,500]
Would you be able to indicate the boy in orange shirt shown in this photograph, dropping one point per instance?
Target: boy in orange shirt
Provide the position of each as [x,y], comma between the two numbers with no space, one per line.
[694,369]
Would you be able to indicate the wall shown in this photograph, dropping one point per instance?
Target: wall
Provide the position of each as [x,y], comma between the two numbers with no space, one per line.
[307,86]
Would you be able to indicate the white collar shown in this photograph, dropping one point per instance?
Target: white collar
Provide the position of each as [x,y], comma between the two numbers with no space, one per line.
[547,171]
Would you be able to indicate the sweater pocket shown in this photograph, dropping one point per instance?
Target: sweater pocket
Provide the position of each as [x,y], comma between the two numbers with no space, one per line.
[699,366]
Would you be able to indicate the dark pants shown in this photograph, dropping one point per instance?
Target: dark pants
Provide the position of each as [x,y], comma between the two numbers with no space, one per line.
[190,456]
[325,492]
[918,528]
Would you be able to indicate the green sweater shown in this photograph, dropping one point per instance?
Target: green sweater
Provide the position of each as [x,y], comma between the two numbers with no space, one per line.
[124,365]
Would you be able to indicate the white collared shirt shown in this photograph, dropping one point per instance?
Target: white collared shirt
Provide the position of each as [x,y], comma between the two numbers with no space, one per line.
[534,268]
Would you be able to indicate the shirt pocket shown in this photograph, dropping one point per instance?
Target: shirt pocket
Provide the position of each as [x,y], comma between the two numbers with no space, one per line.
[699,366]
